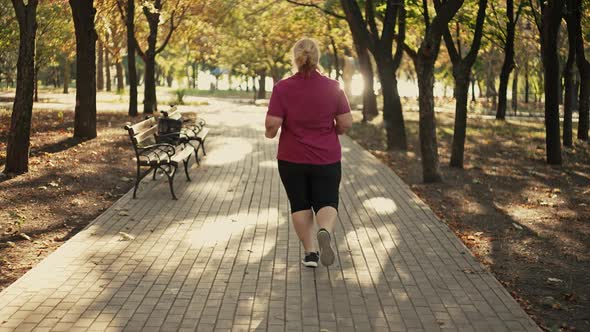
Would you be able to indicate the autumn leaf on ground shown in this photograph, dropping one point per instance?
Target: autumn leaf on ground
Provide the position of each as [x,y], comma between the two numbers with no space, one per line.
[126,237]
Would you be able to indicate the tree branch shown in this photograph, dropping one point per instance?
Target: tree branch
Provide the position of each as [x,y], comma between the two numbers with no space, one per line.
[401,36]
[391,19]
[370,15]
[498,26]
[313,5]
[425,14]
[121,11]
[413,54]
[476,44]
[19,9]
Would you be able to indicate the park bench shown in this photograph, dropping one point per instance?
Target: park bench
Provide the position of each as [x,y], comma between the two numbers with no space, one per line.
[154,154]
[192,133]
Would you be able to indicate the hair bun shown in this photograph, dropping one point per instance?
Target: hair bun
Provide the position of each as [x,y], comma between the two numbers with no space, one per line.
[306,55]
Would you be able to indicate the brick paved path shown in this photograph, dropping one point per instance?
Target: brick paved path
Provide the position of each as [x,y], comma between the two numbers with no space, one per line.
[225,256]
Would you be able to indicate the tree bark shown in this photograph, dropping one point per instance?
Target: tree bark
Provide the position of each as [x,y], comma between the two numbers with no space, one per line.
[169,78]
[427,121]
[99,68]
[508,64]
[551,18]
[571,93]
[119,72]
[575,7]
[392,107]
[461,74]
[515,91]
[195,73]
[36,83]
[149,85]
[336,57]
[369,99]
[460,127]
[107,62]
[131,68]
[66,75]
[424,61]
[150,103]
[262,86]
[17,150]
[526,83]
[85,112]
[584,103]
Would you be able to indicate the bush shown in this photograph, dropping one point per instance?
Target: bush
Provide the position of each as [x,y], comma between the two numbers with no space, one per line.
[180,93]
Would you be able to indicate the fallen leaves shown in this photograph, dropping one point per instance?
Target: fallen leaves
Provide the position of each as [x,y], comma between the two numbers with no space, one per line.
[25,236]
[554,280]
[126,237]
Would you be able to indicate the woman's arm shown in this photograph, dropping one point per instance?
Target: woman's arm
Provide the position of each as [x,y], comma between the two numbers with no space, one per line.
[272,124]
[343,123]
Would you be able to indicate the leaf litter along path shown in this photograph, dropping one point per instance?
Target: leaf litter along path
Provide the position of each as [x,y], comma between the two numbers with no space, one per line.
[527,222]
[70,181]
[225,255]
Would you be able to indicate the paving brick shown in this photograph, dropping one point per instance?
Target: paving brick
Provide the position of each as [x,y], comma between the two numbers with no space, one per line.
[225,256]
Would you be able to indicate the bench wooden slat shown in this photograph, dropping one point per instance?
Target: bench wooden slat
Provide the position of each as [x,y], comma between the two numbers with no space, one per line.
[143,125]
[182,155]
[144,135]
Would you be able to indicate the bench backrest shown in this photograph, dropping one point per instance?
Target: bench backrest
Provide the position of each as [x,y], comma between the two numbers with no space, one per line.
[143,132]
[175,114]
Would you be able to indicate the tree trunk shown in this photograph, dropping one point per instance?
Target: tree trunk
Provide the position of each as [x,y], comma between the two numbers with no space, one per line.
[36,83]
[502,91]
[584,103]
[131,68]
[515,91]
[508,64]
[526,83]
[569,102]
[460,128]
[392,107]
[119,71]
[99,69]
[107,61]
[195,67]
[85,112]
[17,150]
[336,58]
[550,29]
[66,74]
[561,86]
[169,78]
[149,99]
[427,122]
[369,99]
[574,10]
[569,73]
[262,86]
[254,88]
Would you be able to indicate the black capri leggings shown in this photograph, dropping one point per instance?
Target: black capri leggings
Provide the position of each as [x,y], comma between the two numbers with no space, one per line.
[310,186]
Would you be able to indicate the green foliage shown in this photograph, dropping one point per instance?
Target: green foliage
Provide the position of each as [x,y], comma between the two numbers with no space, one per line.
[17,219]
[179,93]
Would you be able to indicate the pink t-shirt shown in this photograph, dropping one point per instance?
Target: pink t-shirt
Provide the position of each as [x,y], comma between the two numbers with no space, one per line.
[308,106]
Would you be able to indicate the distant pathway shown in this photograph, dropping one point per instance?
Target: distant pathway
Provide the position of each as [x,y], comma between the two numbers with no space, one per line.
[225,256]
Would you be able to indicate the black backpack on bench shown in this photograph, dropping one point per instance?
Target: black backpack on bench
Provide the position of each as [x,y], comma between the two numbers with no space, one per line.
[169,130]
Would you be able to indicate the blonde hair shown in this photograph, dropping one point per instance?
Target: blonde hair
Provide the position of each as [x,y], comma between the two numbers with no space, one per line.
[306,55]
